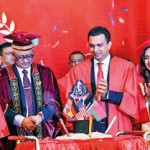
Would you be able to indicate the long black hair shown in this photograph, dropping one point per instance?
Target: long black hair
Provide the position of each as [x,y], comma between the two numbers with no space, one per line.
[144,72]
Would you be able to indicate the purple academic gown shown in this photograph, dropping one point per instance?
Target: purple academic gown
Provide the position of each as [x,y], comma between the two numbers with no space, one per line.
[48,84]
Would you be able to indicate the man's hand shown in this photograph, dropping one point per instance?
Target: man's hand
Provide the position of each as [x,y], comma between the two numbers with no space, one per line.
[38,118]
[28,124]
[101,90]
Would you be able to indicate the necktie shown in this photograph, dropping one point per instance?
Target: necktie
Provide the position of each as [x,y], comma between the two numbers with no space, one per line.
[100,74]
[28,92]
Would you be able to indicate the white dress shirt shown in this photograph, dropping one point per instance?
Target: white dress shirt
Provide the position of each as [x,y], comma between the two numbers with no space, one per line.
[105,67]
[18,118]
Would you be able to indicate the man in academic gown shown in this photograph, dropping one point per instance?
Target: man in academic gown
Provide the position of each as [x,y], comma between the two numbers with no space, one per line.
[116,92]
[74,59]
[39,116]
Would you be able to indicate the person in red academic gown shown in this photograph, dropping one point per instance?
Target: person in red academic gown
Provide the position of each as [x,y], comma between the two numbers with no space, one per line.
[74,58]
[145,83]
[116,92]
[4,131]
[41,121]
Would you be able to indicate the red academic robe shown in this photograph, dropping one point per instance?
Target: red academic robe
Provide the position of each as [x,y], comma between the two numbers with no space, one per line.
[143,115]
[4,131]
[122,78]
[62,82]
[3,125]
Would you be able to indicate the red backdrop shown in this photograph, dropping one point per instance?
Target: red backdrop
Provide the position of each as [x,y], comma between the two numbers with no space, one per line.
[64,24]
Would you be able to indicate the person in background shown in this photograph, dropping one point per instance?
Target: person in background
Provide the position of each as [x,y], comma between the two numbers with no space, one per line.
[6,56]
[30,91]
[74,58]
[4,131]
[114,91]
[145,84]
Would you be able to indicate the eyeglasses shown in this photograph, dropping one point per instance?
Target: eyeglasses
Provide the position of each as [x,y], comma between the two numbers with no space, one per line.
[22,57]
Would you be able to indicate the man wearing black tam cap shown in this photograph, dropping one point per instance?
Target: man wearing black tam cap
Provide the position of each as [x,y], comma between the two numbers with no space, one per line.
[33,101]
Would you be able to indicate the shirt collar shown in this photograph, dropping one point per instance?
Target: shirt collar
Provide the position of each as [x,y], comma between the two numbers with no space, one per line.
[20,69]
[105,61]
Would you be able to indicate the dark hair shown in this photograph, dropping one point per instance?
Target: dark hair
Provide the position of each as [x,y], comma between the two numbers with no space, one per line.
[144,71]
[142,61]
[99,30]
[76,52]
[4,45]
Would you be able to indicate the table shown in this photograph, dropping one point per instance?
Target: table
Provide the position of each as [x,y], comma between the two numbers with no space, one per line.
[124,142]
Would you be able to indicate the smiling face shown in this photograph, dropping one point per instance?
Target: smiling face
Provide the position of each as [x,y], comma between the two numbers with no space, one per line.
[99,47]
[24,59]
[147,59]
